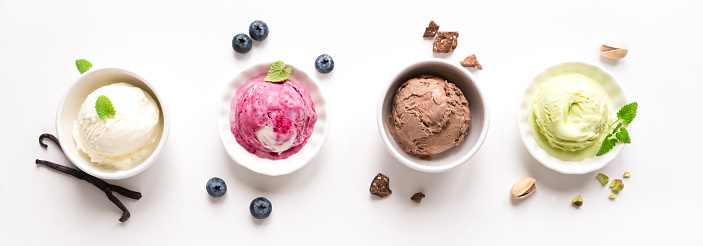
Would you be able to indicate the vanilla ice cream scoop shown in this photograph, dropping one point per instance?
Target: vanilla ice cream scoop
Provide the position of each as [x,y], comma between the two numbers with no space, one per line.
[124,139]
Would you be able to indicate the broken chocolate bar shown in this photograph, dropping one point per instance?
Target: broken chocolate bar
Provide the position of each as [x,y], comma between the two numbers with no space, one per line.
[417,198]
[471,61]
[380,186]
[431,30]
[445,42]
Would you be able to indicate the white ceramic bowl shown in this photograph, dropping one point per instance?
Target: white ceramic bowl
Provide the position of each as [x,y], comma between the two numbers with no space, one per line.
[266,166]
[457,155]
[68,112]
[605,79]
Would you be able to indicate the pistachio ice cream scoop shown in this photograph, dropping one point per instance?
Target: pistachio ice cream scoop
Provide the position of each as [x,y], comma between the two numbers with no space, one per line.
[572,111]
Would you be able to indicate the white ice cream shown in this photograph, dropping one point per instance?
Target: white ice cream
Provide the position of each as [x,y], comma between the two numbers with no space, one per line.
[267,137]
[128,137]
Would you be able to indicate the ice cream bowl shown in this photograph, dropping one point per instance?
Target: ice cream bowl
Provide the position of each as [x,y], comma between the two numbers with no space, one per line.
[531,135]
[70,106]
[477,131]
[262,165]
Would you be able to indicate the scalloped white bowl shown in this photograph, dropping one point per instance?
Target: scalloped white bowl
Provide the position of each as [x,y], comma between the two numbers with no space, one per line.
[611,86]
[71,103]
[480,118]
[265,166]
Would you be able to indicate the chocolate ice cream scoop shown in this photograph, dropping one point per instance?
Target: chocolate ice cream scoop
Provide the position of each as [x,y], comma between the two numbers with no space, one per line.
[429,115]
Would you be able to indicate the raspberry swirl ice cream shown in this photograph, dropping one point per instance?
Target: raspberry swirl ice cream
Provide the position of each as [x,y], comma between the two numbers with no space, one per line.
[272,120]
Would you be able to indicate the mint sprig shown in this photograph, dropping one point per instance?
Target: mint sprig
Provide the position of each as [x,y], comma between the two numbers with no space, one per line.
[104,107]
[83,65]
[619,134]
[277,72]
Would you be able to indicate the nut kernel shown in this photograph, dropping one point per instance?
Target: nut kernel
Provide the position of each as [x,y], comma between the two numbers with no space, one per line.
[617,185]
[578,201]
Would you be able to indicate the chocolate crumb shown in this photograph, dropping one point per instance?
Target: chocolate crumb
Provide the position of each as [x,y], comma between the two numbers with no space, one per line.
[381,186]
[431,30]
[445,42]
[417,198]
[470,61]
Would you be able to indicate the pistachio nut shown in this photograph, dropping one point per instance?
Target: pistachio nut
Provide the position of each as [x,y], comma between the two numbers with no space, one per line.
[617,185]
[612,196]
[626,175]
[578,201]
[613,49]
[602,178]
[523,188]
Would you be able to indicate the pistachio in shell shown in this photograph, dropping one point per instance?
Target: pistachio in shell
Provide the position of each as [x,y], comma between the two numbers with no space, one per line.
[523,188]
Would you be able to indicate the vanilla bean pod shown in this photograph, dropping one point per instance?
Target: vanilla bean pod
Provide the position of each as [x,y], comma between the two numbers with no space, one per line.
[102,185]
[87,177]
[50,137]
[80,174]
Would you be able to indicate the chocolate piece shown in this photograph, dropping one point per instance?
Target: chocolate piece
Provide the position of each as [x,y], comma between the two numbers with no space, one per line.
[471,61]
[445,42]
[431,30]
[417,198]
[380,186]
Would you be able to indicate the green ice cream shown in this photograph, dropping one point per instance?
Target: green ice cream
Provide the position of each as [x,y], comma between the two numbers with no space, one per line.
[571,112]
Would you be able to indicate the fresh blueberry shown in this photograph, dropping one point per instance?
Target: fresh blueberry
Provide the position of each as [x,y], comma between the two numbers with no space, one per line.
[241,43]
[324,63]
[258,30]
[216,187]
[260,208]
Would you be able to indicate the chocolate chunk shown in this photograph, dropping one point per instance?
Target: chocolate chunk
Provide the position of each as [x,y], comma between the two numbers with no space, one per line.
[471,61]
[417,198]
[445,42]
[431,30]
[381,186]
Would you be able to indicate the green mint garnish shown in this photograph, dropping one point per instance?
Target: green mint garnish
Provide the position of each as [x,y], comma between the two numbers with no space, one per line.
[83,65]
[623,136]
[627,113]
[607,145]
[104,107]
[277,73]
[625,116]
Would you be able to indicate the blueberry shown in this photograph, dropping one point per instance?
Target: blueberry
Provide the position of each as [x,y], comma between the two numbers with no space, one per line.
[324,63]
[258,30]
[241,43]
[260,208]
[216,187]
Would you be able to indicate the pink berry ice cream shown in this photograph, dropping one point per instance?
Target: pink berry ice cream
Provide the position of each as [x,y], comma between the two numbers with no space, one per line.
[272,120]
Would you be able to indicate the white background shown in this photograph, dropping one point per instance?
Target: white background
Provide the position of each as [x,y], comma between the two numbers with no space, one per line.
[184,50]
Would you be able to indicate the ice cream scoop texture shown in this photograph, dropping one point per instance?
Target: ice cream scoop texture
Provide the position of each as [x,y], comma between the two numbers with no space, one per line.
[272,120]
[572,111]
[429,115]
[124,139]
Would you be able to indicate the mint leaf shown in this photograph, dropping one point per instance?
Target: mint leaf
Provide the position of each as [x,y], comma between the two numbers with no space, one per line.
[83,65]
[623,135]
[617,127]
[104,107]
[277,72]
[628,112]
[625,115]
[607,145]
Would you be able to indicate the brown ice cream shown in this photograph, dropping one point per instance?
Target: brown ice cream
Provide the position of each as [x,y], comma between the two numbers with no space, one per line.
[429,115]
